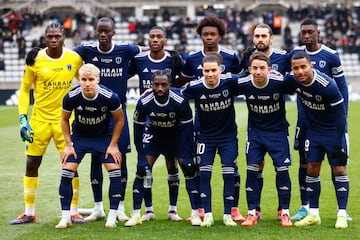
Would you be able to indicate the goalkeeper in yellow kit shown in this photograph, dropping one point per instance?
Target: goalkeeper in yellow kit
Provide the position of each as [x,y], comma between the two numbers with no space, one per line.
[51,75]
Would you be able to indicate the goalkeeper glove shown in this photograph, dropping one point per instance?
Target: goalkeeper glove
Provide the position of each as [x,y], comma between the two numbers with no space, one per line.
[340,156]
[26,131]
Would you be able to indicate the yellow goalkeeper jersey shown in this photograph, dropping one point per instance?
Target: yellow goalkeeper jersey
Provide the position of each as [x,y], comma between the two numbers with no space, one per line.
[52,79]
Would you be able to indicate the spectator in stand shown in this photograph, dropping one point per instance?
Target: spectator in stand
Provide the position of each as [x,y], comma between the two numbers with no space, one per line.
[13,18]
[1,25]
[183,38]
[152,22]
[27,21]
[277,23]
[288,42]
[181,50]
[67,26]
[21,46]
[80,18]
[42,42]
[34,43]
[166,15]
[6,32]
[132,26]
[2,61]
[1,45]
[77,38]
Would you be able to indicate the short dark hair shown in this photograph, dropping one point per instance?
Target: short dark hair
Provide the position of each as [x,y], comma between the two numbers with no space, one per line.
[158,28]
[259,55]
[55,25]
[211,21]
[309,21]
[161,73]
[300,55]
[264,25]
[106,20]
[213,57]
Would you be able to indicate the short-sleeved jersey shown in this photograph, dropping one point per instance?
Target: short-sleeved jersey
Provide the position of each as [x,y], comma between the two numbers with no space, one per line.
[278,61]
[52,79]
[92,115]
[144,65]
[113,64]
[327,60]
[266,104]
[320,100]
[215,108]
[193,63]
[163,118]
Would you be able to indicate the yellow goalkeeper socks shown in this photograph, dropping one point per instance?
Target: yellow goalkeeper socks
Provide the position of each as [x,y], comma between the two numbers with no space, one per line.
[31,185]
[75,199]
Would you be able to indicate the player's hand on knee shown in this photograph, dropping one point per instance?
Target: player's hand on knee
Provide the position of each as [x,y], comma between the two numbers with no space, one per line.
[340,155]
[26,131]
[115,153]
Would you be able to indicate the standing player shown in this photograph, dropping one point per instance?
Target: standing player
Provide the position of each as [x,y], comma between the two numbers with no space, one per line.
[267,132]
[113,61]
[216,132]
[262,40]
[145,64]
[327,61]
[325,115]
[52,73]
[96,128]
[163,125]
[211,29]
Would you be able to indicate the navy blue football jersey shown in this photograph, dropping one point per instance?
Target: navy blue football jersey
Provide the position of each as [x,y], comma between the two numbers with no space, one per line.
[215,108]
[328,61]
[163,118]
[322,104]
[266,104]
[278,61]
[144,65]
[92,116]
[193,63]
[113,65]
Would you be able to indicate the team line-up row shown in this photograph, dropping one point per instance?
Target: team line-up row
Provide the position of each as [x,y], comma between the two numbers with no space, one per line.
[163,122]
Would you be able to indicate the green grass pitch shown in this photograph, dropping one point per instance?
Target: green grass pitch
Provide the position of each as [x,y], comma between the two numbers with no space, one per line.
[12,167]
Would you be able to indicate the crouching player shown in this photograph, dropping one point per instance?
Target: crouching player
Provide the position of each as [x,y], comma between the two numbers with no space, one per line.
[163,125]
[93,131]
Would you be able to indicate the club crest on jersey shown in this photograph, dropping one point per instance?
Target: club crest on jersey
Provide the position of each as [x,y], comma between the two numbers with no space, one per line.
[69,67]
[222,67]
[276,96]
[118,60]
[104,109]
[225,93]
[136,115]
[172,115]
[318,98]
[168,70]
[275,67]
[322,63]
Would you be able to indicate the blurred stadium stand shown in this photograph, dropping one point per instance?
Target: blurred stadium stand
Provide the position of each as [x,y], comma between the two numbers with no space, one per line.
[143,11]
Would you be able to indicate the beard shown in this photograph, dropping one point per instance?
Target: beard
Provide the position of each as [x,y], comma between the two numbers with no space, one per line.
[262,49]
